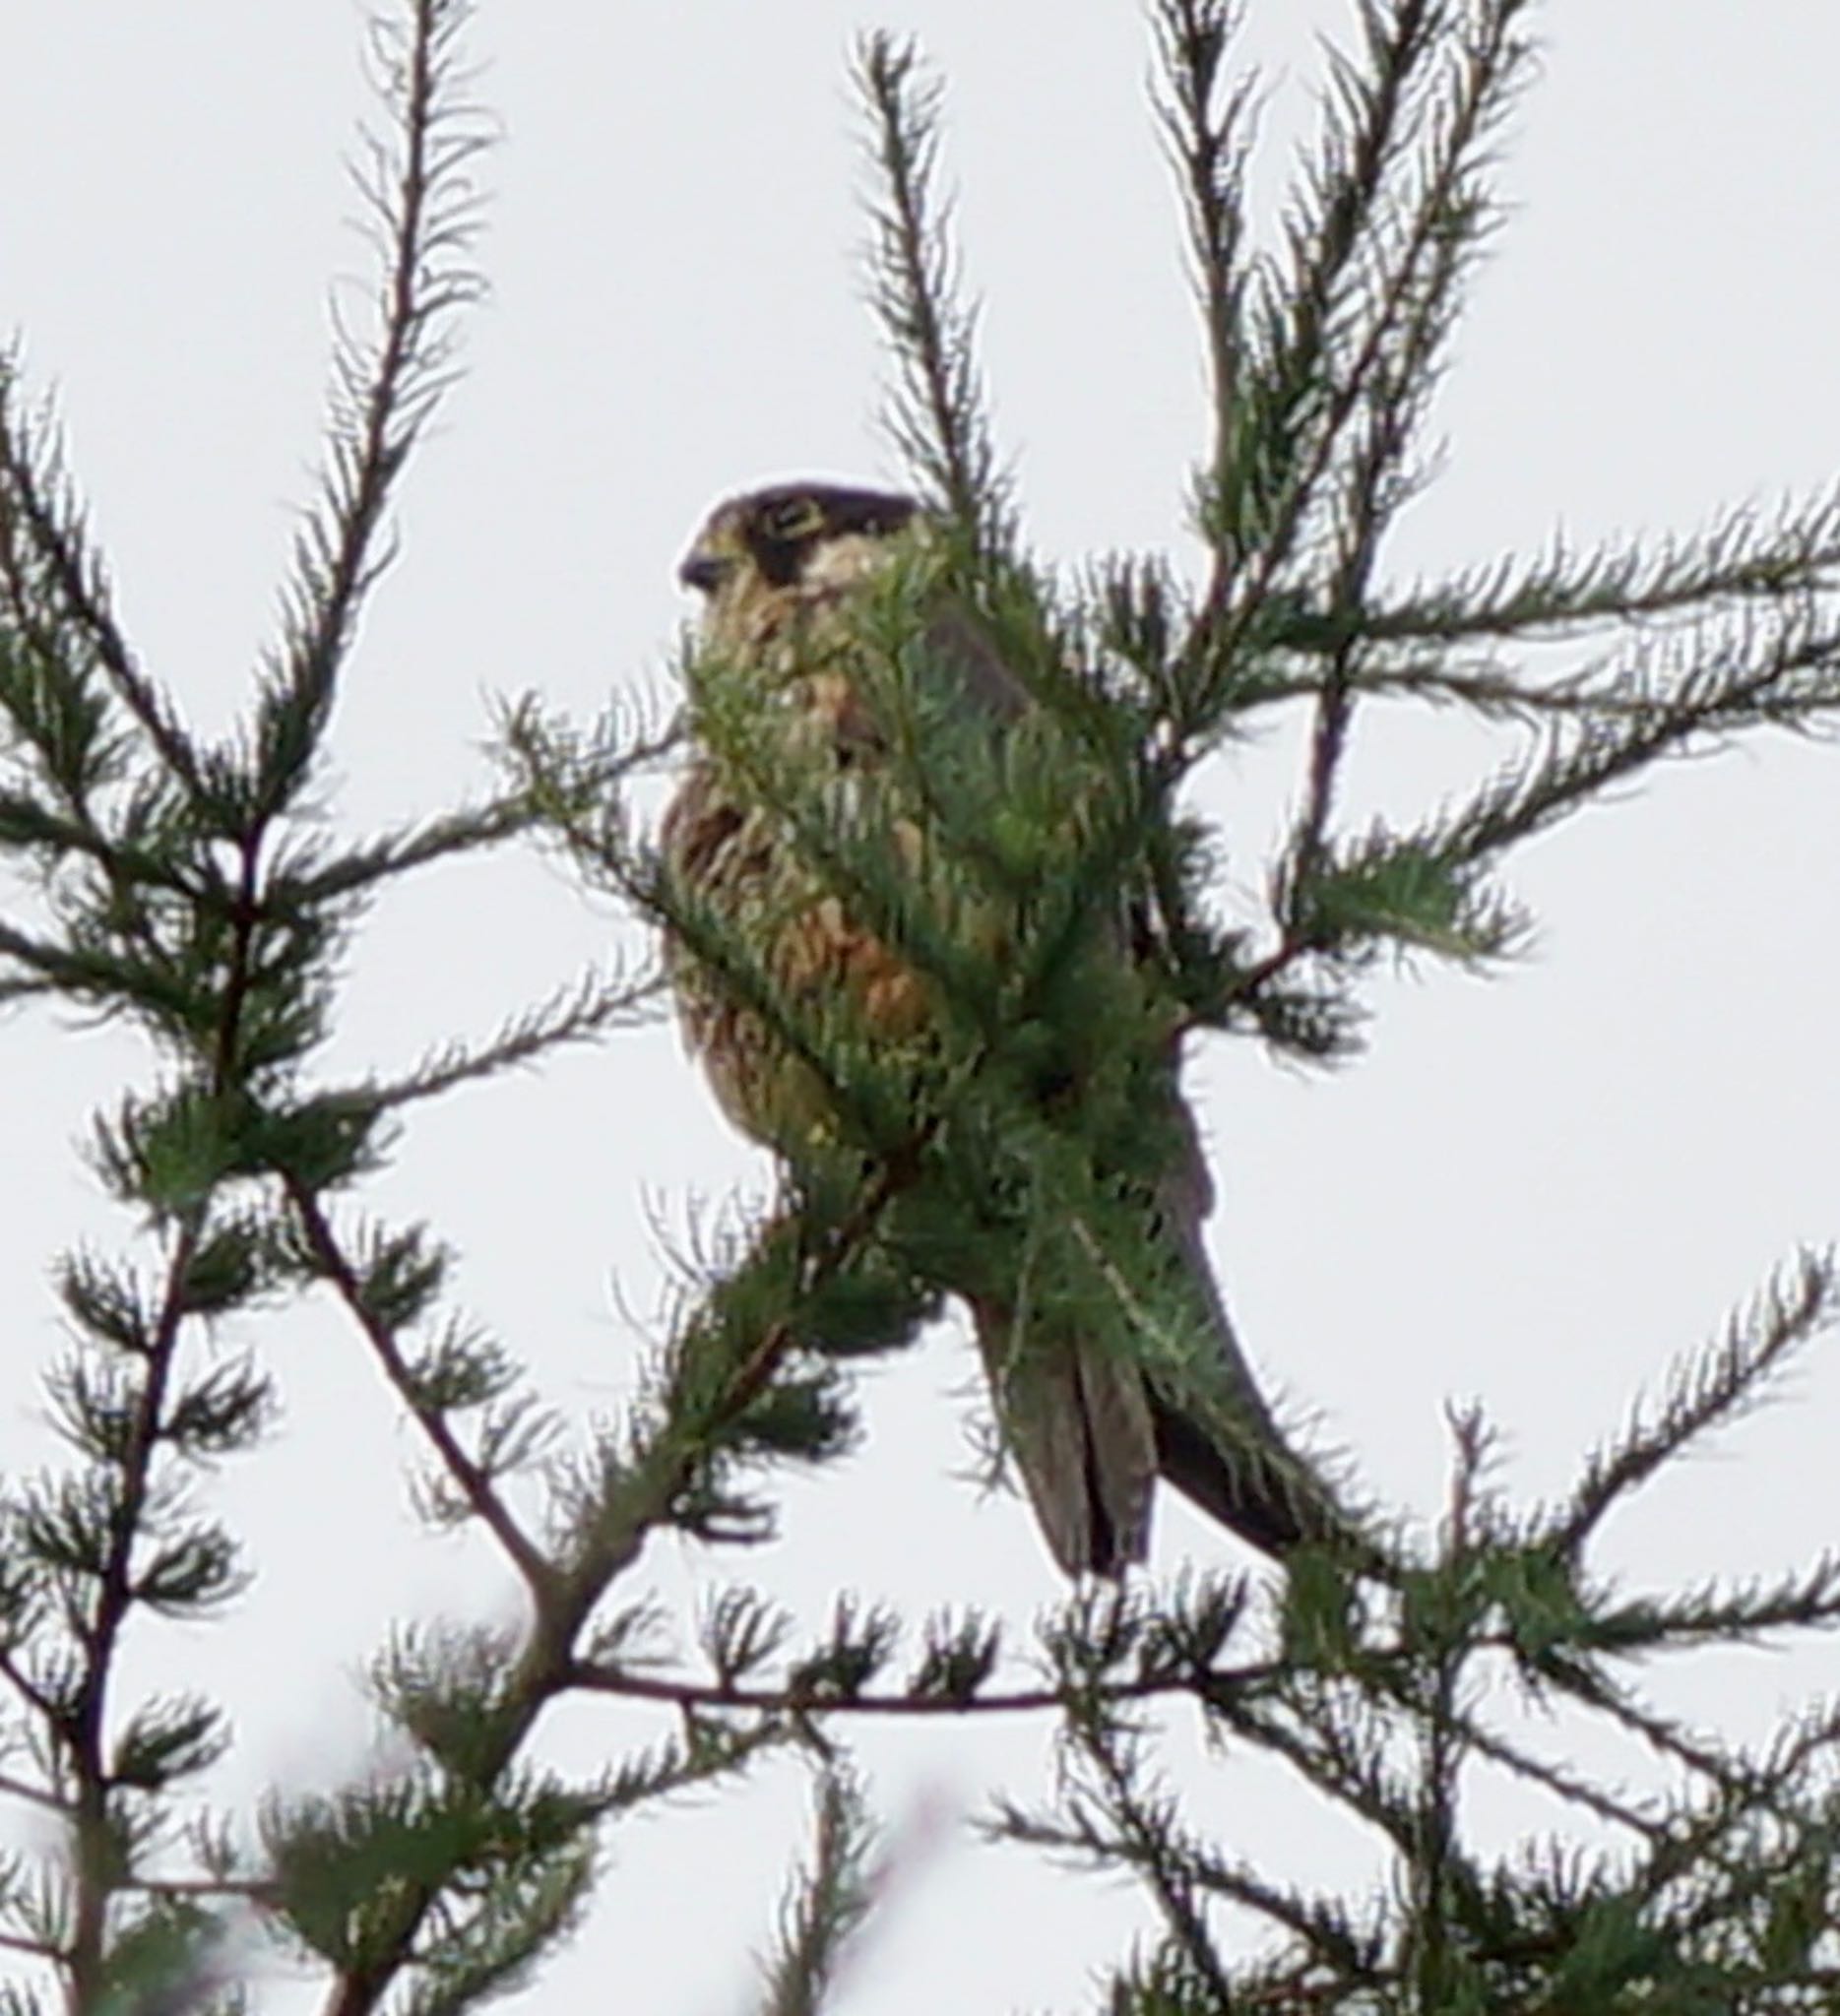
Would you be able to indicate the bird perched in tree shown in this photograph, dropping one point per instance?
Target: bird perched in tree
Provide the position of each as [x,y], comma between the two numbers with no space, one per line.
[786,574]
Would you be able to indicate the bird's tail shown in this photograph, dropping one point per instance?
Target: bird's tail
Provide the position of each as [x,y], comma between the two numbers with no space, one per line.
[1080,1424]
[1089,1427]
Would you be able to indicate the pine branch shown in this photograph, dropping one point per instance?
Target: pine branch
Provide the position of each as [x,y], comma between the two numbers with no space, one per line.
[416,185]
[1696,1617]
[1148,1834]
[363,1301]
[827,1906]
[602,1678]
[714,1389]
[1423,888]
[117,1572]
[583,1013]
[306,877]
[1090,1835]
[1738,559]
[53,583]
[1792,679]
[103,1538]
[1309,385]
[1389,384]
[1570,1787]
[1725,1382]
[1205,122]
[446,1883]
[935,411]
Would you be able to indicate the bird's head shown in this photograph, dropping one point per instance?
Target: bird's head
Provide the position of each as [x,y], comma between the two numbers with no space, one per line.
[791,541]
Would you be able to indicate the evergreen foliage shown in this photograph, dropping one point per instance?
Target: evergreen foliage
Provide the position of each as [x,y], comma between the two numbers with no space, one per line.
[191,890]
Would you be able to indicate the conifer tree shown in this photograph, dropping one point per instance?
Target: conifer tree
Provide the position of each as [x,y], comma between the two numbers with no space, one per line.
[192,890]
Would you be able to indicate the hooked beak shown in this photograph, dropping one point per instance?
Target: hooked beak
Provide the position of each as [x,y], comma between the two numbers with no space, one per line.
[703,570]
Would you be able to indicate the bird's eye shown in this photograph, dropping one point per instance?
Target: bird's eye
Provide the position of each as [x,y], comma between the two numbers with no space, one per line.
[791,519]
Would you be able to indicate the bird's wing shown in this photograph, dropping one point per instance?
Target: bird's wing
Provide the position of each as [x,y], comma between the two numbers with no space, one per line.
[1217,1441]
[1087,1428]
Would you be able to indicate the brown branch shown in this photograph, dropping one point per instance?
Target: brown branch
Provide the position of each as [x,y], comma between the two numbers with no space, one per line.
[36,1794]
[39,1949]
[590,1678]
[1193,36]
[474,1481]
[1342,239]
[1349,394]
[26,1687]
[1292,946]
[423,213]
[1147,1843]
[936,414]
[82,591]
[564,1601]
[82,1730]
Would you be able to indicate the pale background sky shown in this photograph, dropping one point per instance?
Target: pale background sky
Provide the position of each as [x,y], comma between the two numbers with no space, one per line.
[1532,1192]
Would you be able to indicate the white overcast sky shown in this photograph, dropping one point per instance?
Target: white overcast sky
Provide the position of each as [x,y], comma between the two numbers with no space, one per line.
[1532,1191]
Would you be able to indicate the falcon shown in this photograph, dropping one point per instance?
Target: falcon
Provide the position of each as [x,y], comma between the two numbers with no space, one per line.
[788,576]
